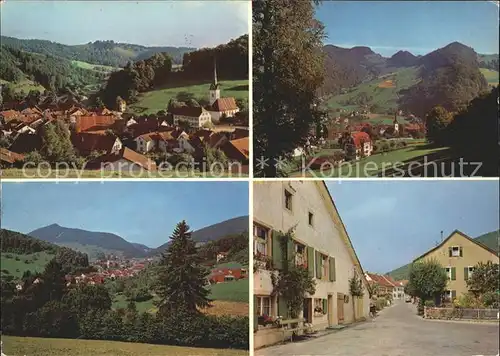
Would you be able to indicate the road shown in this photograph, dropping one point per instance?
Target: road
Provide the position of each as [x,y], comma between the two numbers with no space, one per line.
[398,331]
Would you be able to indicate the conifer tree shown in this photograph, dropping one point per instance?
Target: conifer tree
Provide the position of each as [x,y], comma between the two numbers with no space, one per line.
[181,277]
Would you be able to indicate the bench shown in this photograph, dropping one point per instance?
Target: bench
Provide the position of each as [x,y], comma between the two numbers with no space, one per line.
[286,324]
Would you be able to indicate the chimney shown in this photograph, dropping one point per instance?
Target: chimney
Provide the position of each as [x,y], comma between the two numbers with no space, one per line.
[441,235]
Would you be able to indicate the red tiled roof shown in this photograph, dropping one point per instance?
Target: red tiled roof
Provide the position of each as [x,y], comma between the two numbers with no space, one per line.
[9,156]
[188,111]
[360,136]
[135,157]
[86,123]
[237,149]
[224,104]
[86,142]
[9,114]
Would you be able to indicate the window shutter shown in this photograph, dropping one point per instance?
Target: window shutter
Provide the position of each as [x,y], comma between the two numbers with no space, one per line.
[290,253]
[453,273]
[325,306]
[282,308]
[310,260]
[333,276]
[276,251]
[466,273]
[461,252]
[449,251]
[453,294]
[318,265]
[255,313]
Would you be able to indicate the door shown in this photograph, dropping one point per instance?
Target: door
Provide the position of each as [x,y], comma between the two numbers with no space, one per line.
[330,310]
[340,308]
[308,310]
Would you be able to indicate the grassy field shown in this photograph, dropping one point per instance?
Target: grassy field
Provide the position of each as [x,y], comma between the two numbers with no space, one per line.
[25,85]
[31,346]
[373,165]
[382,90]
[156,100]
[95,67]
[236,291]
[490,75]
[16,268]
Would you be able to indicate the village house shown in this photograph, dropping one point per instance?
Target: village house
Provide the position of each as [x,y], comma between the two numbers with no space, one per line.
[360,142]
[125,160]
[221,256]
[237,150]
[458,254]
[221,275]
[194,116]
[92,123]
[319,243]
[165,141]
[9,158]
[87,142]
[220,107]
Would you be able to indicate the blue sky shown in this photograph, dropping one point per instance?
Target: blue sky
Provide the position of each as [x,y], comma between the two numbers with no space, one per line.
[390,223]
[143,212]
[417,26]
[151,23]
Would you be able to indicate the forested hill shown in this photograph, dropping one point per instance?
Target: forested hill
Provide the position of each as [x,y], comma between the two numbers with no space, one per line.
[107,53]
[449,77]
[21,244]
[51,72]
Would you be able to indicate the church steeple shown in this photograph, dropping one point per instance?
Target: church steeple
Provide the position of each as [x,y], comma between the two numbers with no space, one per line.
[214,92]
[214,85]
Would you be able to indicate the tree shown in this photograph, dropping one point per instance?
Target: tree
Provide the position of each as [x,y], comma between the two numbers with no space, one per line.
[436,121]
[56,142]
[53,280]
[485,278]
[287,71]
[427,280]
[88,297]
[181,277]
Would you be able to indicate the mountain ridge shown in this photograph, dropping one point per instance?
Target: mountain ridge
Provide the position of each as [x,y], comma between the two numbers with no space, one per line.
[108,53]
[105,242]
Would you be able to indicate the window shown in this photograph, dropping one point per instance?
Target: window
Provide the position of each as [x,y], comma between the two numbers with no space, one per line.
[470,270]
[288,200]
[260,240]
[311,219]
[318,306]
[264,305]
[324,267]
[455,251]
[448,273]
[300,255]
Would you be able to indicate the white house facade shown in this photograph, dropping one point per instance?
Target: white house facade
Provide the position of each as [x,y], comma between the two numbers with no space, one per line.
[319,243]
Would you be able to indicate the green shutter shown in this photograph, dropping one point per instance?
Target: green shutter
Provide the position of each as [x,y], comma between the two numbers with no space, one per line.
[461,252]
[449,251]
[453,294]
[282,308]
[318,265]
[453,273]
[325,306]
[276,251]
[466,272]
[310,260]
[255,314]
[331,262]
[290,253]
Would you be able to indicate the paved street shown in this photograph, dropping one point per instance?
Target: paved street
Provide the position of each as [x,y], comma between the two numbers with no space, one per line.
[398,331]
